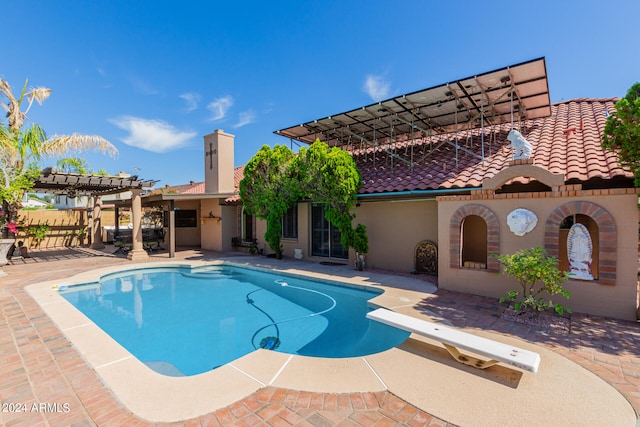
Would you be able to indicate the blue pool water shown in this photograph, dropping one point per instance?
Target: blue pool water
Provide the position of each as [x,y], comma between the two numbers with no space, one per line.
[182,321]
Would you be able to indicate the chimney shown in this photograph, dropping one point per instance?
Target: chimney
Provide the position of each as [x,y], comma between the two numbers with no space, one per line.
[218,163]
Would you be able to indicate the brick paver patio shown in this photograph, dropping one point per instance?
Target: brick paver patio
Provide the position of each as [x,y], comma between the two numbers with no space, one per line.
[45,382]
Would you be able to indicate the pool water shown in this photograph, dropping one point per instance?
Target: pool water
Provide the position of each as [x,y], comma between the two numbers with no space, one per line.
[183,321]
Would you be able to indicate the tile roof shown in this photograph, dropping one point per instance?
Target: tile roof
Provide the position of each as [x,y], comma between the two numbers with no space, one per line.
[567,141]
[199,187]
[238,174]
[190,188]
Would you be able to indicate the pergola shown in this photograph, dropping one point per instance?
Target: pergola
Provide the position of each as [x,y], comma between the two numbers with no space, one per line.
[515,93]
[96,186]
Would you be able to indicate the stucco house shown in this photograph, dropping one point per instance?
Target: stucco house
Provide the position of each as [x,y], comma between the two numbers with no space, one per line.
[444,189]
[30,202]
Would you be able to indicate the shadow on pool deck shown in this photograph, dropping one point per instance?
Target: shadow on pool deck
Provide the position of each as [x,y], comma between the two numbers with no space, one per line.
[37,364]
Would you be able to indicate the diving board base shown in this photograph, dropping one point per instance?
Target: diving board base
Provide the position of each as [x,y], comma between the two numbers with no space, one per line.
[469,360]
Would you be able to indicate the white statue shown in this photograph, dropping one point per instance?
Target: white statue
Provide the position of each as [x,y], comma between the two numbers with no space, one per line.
[522,148]
[521,221]
[579,250]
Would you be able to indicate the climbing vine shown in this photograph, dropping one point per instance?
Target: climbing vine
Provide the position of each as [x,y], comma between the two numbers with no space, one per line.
[269,188]
[275,180]
[330,177]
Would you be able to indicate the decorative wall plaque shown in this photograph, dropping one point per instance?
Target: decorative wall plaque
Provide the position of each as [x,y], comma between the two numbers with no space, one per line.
[521,221]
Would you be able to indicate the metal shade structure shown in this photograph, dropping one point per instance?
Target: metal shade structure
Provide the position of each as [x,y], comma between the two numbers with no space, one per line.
[514,93]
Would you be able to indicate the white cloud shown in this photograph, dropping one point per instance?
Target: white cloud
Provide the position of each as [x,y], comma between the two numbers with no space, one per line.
[376,87]
[219,107]
[152,135]
[245,118]
[192,99]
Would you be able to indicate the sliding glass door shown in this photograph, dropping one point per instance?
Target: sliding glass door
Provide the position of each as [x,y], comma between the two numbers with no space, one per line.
[325,238]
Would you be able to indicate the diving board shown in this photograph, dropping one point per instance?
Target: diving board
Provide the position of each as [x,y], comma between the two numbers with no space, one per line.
[453,340]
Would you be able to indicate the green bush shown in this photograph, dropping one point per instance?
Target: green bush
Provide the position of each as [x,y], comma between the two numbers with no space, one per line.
[360,240]
[537,274]
[39,233]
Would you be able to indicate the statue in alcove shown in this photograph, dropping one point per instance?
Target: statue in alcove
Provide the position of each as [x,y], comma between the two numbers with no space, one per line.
[579,252]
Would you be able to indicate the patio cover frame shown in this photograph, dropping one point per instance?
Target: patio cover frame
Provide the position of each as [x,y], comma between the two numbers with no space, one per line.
[514,93]
[72,185]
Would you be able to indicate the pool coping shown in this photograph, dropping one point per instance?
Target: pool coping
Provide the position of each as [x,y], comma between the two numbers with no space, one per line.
[158,398]
[152,396]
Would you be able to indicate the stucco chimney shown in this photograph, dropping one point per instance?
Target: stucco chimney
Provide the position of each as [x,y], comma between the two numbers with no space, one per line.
[218,162]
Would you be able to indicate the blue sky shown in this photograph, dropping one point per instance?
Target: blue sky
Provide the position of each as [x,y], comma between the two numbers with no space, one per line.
[154,77]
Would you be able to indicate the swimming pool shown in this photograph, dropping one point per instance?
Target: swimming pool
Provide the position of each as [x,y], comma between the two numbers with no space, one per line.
[183,321]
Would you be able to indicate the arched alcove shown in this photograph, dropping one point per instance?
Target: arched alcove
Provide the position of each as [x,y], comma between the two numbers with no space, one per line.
[606,239]
[455,236]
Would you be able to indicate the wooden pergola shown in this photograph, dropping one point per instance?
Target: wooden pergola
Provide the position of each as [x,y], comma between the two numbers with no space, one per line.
[96,186]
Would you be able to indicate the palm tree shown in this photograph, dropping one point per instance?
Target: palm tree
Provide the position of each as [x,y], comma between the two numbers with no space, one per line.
[22,147]
[73,165]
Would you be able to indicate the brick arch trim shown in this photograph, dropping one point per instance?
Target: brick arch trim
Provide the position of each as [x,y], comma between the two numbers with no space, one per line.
[493,234]
[607,238]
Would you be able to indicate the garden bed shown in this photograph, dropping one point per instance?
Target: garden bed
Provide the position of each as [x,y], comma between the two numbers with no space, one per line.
[545,320]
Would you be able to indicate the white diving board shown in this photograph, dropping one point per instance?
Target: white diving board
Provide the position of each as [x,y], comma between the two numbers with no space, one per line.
[453,339]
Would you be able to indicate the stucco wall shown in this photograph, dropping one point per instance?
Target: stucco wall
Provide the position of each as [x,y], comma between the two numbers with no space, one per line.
[394,230]
[261,228]
[288,245]
[304,232]
[189,236]
[616,300]
[211,228]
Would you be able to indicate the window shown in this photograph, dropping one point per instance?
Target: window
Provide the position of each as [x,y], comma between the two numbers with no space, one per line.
[183,218]
[325,238]
[290,223]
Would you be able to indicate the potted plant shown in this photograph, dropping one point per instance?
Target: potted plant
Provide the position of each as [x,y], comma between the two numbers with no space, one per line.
[360,245]
[538,274]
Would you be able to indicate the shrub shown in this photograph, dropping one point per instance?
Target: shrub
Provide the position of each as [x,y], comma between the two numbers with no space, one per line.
[39,233]
[537,274]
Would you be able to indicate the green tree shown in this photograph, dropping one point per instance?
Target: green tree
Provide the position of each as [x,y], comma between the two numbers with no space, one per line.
[537,274]
[622,131]
[270,188]
[330,177]
[73,165]
[275,180]
[21,147]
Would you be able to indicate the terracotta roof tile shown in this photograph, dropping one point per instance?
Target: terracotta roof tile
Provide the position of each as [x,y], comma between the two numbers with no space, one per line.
[191,188]
[566,142]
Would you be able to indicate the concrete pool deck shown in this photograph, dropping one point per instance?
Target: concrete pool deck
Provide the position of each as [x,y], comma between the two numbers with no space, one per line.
[409,384]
